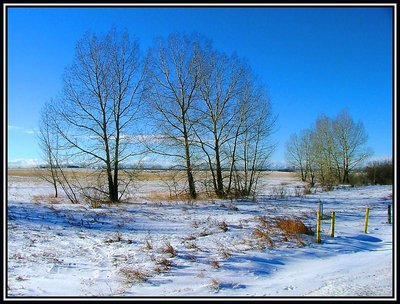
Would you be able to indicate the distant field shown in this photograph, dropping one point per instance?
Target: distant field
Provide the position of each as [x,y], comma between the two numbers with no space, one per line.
[150,175]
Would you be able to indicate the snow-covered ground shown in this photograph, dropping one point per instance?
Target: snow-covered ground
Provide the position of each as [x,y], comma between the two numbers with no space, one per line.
[210,248]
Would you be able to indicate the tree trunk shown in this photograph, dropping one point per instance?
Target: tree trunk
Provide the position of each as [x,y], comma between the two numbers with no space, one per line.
[192,188]
[219,191]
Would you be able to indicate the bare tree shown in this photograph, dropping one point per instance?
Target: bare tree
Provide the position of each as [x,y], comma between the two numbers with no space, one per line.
[300,153]
[325,150]
[350,139]
[48,144]
[252,148]
[296,155]
[219,91]
[174,79]
[99,105]
[330,150]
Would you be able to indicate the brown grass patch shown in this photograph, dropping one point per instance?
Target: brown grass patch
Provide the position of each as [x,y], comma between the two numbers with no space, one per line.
[46,199]
[263,236]
[223,226]
[191,245]
[215,264]
[164,264]
[134,275]
[168,248]
[292,226]
[148,245]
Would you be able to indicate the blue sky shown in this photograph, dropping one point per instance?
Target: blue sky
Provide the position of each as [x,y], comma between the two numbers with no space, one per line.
[313,60]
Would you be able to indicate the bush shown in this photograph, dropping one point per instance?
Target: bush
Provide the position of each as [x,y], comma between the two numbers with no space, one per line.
[379,172]
[293,226]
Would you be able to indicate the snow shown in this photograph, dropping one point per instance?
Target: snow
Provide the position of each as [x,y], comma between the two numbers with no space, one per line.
[60,249]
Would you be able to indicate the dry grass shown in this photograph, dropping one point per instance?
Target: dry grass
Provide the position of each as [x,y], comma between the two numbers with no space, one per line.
[46,199]
[164,264]
[190,238]
[167,197]
[134,275]
[191,245]
[168,248]
[148,245]
[292,226]
[214,264]
[263,221]
[215,285]
[223,226]
[117,238]
[225,252]
[263,236]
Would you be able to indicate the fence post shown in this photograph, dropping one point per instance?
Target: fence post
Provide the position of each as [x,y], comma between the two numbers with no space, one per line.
[389,214]
[321,209]
[333,224]
[366,220]
[318,227]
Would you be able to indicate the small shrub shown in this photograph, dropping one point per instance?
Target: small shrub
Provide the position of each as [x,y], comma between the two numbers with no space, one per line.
[191,245]
[279,192]
[148,245]
[191,257]
[169,249]
[263,221]
[263,236]
[164,263]
[215,264]
[293,226]
[204,233]
[225,253]
[134,275]
[298,192]
[215,285]
[190,238]
[260,234]
[307,191]
[117,238]
[223,226]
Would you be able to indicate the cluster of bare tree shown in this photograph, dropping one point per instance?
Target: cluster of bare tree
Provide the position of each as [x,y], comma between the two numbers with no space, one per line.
[330,151]
[200,106]
[210,112]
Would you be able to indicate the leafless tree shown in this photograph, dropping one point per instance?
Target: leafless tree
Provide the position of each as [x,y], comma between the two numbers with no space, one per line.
[100,103]
[296,155]
[219,94]
[48,144]
[174,78]
[330,151]
[326,150]
[301,154]
[251,149]
[350,139]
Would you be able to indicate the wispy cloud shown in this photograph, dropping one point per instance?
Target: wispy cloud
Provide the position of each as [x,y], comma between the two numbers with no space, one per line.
[24,163]
[20,129]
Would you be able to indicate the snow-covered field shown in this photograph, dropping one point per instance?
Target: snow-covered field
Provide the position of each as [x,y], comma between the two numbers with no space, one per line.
[210,248]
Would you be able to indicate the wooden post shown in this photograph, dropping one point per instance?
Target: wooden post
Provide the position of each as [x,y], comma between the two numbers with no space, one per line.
[318,227]
[333,224]
[366,220]
[389,214]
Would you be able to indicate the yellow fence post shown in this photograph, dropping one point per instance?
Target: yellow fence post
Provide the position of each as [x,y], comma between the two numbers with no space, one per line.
[333,224]
[366,220]
[318,227]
